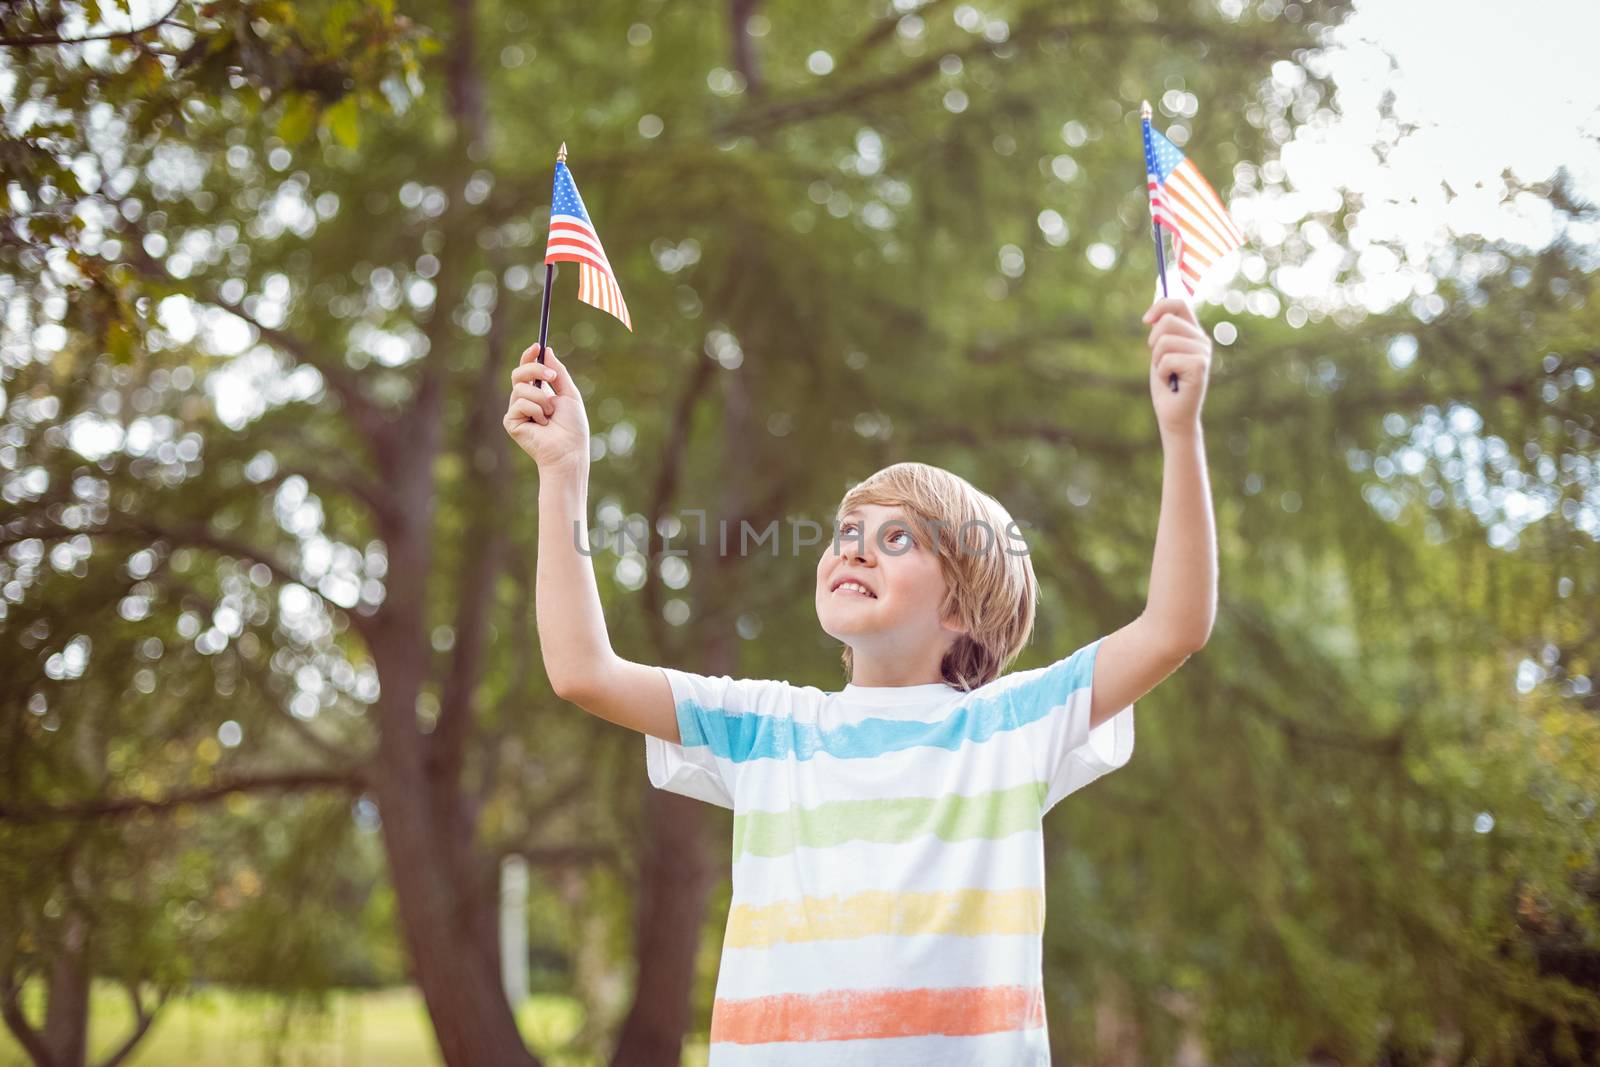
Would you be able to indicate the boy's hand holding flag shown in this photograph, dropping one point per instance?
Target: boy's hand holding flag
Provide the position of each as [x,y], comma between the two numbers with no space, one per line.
[1202,230]
[550,423]
[1180,351]
[573,240]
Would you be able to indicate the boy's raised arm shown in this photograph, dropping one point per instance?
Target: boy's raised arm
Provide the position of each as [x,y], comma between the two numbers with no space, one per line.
[1182,601]
[553,428]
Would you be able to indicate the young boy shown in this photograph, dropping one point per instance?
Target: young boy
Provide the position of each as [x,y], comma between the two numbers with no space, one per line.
[888,865]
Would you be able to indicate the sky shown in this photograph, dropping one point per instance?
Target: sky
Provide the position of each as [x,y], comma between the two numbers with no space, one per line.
[1492,84]
[1489,86]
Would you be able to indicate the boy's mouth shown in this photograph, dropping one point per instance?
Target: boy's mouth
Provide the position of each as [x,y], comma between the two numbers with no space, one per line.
[850,585]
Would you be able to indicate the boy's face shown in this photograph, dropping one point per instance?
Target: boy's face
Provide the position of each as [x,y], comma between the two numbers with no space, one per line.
[879,585]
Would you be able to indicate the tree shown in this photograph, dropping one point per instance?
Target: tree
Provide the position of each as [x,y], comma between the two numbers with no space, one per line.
[149,887]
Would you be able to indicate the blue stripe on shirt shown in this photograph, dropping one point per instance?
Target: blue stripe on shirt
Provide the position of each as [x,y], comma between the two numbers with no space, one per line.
[744,736]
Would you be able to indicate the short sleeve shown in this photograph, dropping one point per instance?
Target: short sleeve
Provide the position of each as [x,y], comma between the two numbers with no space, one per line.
[1054,702]
[723,725]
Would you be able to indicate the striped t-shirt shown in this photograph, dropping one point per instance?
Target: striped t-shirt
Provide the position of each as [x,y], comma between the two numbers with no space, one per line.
[888,866]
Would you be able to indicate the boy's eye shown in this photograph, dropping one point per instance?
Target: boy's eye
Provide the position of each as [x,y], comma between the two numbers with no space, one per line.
[898,537]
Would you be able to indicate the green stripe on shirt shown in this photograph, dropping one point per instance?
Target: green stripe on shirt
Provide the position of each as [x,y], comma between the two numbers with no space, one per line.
[890,821]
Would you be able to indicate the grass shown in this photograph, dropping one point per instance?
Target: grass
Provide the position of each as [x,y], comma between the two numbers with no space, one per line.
[384,1028]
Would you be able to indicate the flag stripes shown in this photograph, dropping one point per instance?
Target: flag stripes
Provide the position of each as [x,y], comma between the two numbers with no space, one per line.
[1184,203]
[573,240]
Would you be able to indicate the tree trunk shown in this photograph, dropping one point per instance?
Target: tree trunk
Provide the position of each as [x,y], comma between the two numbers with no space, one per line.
[675,878]
[441,881]
[1117,1036]
[66,1016]
[430,864]
[676,874]
[678,867]
[459,982]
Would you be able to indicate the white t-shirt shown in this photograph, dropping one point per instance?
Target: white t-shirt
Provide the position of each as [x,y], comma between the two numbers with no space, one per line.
[888,864]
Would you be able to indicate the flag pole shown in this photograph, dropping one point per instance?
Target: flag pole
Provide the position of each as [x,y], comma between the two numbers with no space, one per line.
[1161,259]
[549,280]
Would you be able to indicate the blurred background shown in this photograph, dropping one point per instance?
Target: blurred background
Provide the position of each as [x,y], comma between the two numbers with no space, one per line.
[281,777]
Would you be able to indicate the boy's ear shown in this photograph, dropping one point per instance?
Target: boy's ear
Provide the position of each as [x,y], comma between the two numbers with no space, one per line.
[953,623]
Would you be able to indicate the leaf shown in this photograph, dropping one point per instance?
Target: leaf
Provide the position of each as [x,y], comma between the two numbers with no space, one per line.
[338,19]
[119,343]
[151,72]
[299,118]
[344,120]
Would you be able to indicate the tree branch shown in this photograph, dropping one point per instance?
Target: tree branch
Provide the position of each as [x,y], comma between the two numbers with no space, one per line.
[1318,681]
[666,485]
[1033,25]
[967,435]
[121,807]
[375,429]
[492,755]
[142,1018]
[745,62]
[302,729]
[26,1035]
[482,562]
[1346,402]
[29,40]
[883,31]
[353,484]
[192,537]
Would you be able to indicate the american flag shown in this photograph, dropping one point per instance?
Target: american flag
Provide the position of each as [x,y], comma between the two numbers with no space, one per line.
[1183,201]
[573,240]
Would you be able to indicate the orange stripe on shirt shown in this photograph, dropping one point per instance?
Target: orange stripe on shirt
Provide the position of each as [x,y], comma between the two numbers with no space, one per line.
[852,1014]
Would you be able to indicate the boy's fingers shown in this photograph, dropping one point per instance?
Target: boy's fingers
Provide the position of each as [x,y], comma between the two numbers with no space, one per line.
[533,372]
[1169,305]
[562,382]
[1176,346]
[551,371]
[531,392]
[1172,326]
[529,410]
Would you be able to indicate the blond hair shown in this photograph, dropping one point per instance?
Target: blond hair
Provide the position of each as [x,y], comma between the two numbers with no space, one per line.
[988,575]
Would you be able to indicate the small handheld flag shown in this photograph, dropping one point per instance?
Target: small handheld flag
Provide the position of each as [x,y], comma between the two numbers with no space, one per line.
[573,240]
[1180,197]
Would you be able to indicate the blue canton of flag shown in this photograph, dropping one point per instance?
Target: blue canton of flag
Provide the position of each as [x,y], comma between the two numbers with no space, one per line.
[1183,201]
[573,240]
